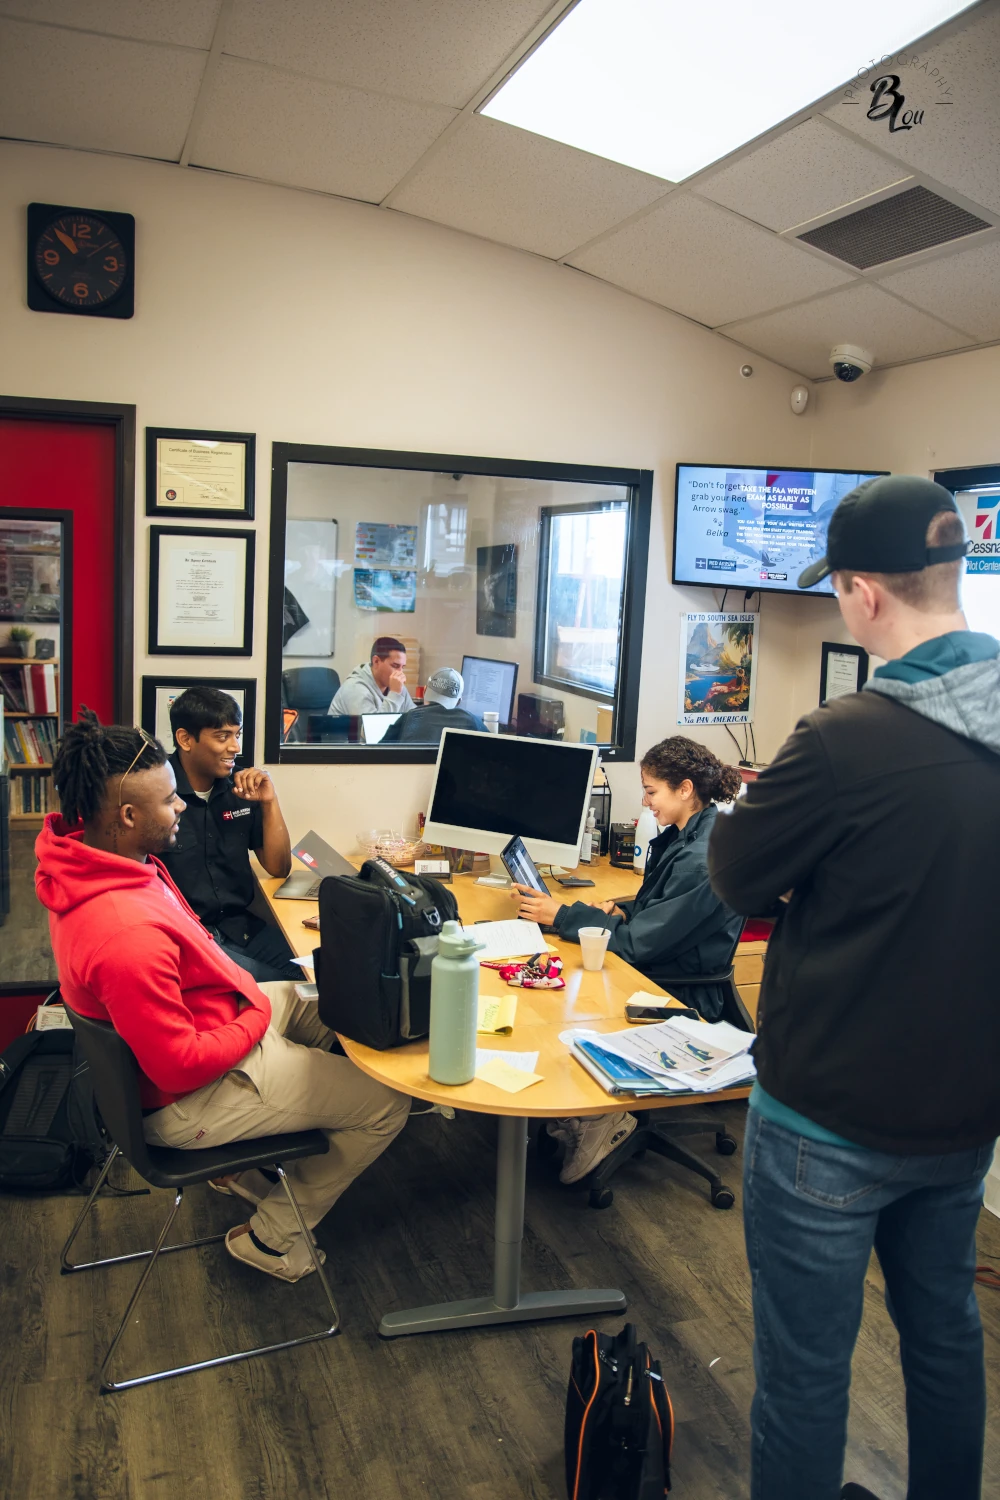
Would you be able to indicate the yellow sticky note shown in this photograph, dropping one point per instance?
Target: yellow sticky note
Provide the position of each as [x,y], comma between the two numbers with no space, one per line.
[511,1080]
[496,1014]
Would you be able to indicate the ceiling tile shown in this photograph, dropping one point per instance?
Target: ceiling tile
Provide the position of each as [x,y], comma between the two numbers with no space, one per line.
[957,142]
[96,93]
[306,133]
[524,190]
[803,336]
[804,173]
[188,23]
[706,263]
[436,50]
[963,289]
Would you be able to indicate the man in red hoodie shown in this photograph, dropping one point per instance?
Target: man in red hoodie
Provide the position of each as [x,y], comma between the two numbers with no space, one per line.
[221,1057]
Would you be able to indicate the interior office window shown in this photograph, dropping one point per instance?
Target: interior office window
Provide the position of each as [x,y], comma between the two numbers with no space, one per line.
[528,579]
[580,597]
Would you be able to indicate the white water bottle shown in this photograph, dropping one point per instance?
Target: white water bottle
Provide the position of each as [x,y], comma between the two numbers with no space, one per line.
[645,831]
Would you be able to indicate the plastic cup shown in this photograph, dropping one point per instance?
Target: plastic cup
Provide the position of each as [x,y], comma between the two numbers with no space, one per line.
[492,722]
[593,946]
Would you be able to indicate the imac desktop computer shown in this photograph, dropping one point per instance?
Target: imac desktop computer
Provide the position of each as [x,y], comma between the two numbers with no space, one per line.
[488,788]
[489,687]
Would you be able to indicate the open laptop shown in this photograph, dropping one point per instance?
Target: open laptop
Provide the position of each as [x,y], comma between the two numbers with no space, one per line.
[320,860]
[375,726]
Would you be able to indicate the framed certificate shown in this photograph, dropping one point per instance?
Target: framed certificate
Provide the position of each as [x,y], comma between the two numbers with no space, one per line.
[200,592]
[205,474]
[844,670]
[159,692]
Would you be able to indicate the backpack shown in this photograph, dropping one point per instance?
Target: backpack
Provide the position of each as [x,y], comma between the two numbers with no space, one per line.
[619,1420]
[378,934]
[50,1131]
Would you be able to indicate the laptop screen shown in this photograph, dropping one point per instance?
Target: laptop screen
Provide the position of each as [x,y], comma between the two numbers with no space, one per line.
[375,726]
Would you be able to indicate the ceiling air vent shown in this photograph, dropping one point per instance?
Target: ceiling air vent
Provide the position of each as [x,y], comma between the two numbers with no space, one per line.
[913,220]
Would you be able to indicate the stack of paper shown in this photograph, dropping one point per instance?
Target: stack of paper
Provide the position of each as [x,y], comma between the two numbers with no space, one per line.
[672,1057]
[511,939]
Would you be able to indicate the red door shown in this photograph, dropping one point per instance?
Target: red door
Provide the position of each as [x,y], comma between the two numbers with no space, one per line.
[63,465]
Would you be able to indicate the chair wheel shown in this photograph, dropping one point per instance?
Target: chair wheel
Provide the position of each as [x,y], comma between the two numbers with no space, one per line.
[723,1197]
[546,1145]
[725,1144]
[601,1197]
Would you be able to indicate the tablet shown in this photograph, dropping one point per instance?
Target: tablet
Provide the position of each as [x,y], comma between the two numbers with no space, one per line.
[521,867]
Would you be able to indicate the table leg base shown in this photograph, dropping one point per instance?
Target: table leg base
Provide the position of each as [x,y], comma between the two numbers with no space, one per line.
[481,1312]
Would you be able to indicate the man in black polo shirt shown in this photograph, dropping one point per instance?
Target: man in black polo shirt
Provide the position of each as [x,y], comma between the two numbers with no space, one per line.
[227,815]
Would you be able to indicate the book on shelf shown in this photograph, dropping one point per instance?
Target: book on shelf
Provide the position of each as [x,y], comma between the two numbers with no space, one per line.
[30,742]
[30,689]
[32,795]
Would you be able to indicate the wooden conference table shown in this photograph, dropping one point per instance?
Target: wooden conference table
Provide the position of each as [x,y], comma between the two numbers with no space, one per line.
[596,1000]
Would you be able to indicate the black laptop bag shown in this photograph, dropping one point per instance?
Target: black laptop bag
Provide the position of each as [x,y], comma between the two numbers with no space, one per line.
[619,1420]
[50,1131]
[378,934]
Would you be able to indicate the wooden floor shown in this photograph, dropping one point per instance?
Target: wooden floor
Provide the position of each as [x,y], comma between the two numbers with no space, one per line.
[461,1416]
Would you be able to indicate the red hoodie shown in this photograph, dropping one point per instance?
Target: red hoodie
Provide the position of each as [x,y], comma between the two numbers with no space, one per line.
[130,950]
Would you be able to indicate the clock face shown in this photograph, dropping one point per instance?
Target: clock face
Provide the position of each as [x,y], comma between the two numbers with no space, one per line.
[80,261]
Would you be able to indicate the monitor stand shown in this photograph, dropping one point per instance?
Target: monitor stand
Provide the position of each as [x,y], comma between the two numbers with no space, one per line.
[498,877]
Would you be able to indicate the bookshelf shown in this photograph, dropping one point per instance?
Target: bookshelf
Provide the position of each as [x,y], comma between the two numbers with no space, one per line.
[13,769]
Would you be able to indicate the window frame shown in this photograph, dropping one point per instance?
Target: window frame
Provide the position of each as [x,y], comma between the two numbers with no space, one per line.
[546,516]
[639,484]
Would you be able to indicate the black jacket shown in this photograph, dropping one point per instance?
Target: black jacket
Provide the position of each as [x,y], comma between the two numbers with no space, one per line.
[676,924]
[425,726]
[880,1004]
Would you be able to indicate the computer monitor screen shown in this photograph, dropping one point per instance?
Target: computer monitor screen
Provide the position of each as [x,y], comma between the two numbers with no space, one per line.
[489,687]
[754,529]
[488,788]
[375,726]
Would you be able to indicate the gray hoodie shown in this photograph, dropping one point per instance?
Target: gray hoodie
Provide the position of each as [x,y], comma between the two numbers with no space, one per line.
[954,681]
[360,694]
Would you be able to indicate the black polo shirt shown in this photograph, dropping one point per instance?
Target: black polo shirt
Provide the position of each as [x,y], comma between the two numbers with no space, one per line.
[210,863]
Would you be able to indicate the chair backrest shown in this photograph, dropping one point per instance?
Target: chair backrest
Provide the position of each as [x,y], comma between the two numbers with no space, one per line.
[733,1009]
[114,1074]
[309,688]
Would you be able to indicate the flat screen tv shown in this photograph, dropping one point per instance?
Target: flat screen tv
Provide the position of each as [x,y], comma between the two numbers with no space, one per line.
[755,529]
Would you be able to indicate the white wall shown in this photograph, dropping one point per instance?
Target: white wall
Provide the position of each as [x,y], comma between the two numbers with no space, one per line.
[306,319]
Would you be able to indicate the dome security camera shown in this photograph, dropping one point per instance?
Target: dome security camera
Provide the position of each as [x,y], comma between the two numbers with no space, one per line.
[850,362]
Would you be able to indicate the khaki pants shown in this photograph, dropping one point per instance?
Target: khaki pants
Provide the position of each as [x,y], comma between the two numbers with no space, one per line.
[289,1082]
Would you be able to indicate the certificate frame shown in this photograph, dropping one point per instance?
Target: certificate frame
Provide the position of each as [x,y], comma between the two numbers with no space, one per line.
[838,648]
[155,504]
[154,703]
[159,643]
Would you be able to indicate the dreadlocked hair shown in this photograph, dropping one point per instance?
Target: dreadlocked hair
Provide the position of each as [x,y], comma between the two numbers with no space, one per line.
[679,759]
[90,755]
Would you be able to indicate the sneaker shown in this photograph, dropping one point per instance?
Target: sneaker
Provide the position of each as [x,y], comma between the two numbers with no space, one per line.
[292,1266]
[857,1492]
[253,1186]
[565,1131]
[595,1139]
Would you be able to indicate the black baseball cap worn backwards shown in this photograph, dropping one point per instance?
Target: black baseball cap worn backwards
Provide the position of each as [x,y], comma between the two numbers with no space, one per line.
[881,527]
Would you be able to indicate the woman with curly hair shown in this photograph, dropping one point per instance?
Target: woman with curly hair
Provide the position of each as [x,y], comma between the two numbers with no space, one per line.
[675,924]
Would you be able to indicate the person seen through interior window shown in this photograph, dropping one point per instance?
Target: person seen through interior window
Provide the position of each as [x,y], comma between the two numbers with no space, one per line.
[377,686]
[441,711]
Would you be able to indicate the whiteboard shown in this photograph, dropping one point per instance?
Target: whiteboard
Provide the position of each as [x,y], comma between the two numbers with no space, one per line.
[311,575]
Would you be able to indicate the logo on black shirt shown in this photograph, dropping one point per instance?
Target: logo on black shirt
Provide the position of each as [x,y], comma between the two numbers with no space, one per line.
[240,812]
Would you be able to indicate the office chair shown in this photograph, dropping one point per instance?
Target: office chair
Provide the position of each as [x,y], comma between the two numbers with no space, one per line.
[115,1077]
[310,690]
[649,1135]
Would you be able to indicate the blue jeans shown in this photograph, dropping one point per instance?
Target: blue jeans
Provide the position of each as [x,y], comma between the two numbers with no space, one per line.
[812,1215]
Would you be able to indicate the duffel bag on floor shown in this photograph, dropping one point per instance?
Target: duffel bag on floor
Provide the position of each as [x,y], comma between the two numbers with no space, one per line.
[619,1420]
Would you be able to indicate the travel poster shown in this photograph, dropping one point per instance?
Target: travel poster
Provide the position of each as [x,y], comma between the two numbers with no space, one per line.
[717,678]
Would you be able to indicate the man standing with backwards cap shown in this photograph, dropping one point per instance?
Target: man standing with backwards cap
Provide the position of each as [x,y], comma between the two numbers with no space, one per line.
[425,726]
[877,1100]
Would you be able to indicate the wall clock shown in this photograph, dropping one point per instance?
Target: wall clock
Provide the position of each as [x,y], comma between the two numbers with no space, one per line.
[81,261]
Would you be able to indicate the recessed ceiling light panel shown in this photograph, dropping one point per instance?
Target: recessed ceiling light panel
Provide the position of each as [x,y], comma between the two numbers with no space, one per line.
[669,87]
